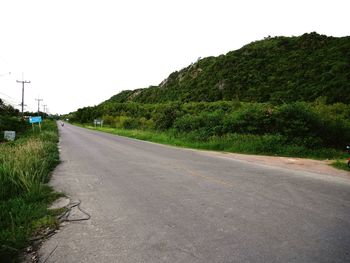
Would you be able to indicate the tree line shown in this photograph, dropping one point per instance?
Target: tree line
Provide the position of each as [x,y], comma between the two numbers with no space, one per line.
[312,125]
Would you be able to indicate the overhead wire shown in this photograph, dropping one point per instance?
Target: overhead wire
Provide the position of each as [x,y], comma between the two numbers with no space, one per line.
[9,100]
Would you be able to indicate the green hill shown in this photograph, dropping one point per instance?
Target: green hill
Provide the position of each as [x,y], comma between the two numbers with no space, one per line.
[278,70]
[282,96]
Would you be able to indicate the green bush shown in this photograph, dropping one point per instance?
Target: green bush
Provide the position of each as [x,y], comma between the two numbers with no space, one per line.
[12,123]
[108,120]
[251,119]
[206,124]
[145,124]
[336,123]
[125,122]
[296,120]
[165,115]
[188,123]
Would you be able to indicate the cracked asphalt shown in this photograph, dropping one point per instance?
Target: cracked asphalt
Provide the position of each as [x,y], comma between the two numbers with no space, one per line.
[155,203]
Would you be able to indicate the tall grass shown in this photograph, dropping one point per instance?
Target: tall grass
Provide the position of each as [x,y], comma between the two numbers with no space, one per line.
[25,166]
[238,143]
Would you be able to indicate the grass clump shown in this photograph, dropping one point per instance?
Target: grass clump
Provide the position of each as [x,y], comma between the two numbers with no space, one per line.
[25,166]
[341,164]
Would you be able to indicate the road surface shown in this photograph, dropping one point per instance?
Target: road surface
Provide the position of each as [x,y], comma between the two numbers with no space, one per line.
[154,203]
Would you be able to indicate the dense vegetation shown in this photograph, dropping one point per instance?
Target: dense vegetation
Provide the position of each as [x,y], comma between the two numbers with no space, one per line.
[10,120]
[282,95]
[296,129]
[277,70]
[25,165]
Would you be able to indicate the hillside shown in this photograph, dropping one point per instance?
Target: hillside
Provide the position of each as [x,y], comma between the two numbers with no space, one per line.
[284,95]
[277,70]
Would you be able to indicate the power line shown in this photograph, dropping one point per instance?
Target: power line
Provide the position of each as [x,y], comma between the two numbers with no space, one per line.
[8,102]
[23,82]
[8,97]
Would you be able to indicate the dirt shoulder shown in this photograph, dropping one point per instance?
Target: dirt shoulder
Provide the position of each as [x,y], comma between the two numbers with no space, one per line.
[301,164]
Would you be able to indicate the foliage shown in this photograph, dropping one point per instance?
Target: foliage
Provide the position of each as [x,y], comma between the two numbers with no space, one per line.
[312,125]
[239,143]
[10,120]
[205,124]
[282,90]
[12,123]
[165,115]
[7,110]
[25,166]
[341,164]
[277,70]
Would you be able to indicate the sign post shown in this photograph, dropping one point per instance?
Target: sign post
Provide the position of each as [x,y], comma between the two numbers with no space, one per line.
[10,135]
[98,122]
[36,119]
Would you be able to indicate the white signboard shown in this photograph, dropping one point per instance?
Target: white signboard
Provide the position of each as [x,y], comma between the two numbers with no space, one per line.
[10,135]
[98,122]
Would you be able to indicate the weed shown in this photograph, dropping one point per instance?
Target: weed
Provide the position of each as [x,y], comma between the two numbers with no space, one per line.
[25,166]
[341,164]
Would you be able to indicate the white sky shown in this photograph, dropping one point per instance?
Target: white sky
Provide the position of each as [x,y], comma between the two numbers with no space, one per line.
[79,53]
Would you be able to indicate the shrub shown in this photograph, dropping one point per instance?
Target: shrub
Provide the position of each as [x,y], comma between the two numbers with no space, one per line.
[128,122]
[296,120]
[188,123]
[12,123]
[165,115]
[251,119]
[108,120]
[206,124]
[145,124]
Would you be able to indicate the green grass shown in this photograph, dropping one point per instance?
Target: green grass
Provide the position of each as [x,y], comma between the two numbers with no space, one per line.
[237,143]
[25,167]
[341,164]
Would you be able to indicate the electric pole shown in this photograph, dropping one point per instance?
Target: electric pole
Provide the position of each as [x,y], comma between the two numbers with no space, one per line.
[38,104]
[23,82]
[44,109]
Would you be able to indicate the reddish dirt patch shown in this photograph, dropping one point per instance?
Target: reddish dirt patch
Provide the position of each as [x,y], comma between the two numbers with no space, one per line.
[314,166]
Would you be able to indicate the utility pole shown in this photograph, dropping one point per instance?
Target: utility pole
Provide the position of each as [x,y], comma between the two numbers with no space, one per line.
[23,82]
[38,104]
[44,109]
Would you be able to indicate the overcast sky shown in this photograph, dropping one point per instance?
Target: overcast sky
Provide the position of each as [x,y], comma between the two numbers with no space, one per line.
[80,53]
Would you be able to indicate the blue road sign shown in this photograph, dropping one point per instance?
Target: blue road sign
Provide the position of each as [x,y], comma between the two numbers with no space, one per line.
[35,119]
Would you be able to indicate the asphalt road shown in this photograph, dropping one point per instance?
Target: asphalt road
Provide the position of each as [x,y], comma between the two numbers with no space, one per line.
[154,203]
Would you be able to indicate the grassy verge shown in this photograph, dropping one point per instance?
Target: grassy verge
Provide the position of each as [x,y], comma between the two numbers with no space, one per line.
[237,143]
[25,167]
[341,164]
